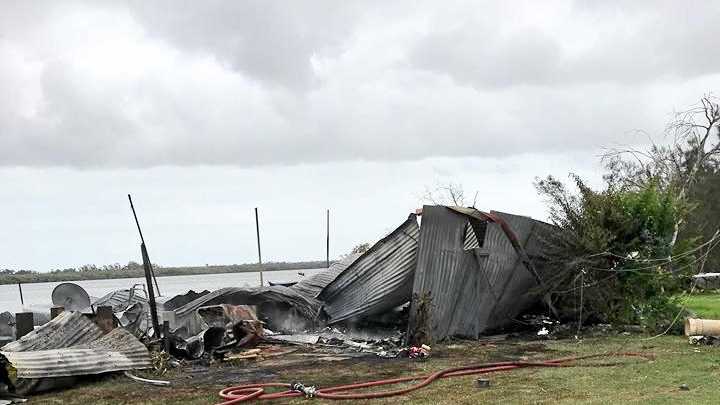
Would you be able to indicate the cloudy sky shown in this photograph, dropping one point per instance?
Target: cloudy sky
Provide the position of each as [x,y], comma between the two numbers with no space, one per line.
[204,110]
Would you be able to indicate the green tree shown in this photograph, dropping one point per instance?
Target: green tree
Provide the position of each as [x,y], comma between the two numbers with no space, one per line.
[615,247]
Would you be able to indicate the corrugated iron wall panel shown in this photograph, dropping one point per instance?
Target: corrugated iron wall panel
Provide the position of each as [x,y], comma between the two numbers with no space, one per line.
[121,299]
[379,280]
[472,290]
[116,351]
[440,272]
[67,329]
[311,286]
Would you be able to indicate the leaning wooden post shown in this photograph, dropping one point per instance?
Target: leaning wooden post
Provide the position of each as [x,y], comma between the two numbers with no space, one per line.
[22,301]
[257,230]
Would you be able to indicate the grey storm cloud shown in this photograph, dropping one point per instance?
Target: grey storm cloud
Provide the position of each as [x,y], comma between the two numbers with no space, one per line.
[246,83]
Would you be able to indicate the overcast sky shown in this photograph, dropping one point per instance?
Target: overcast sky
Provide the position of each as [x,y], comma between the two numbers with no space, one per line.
[206,109]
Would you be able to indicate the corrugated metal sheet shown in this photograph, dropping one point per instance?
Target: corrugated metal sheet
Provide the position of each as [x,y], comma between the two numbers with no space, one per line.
[116,351]
[180,300]
[307,307]
[447,273]
[472,290]
[120,300]
[377,281]
[311,286]
[67,329]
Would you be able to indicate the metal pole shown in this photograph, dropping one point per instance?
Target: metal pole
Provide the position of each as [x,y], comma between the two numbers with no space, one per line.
[257,229]
[22,301]
[327,240]
[142,241]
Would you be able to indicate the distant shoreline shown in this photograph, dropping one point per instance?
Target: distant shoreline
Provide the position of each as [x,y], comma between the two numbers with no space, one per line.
[27,278]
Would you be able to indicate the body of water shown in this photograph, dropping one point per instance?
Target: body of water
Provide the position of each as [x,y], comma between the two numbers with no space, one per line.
[37,295]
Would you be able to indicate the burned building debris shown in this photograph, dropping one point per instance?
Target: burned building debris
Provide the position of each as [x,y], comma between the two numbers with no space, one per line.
[444,272]
[479,270]
[67,347]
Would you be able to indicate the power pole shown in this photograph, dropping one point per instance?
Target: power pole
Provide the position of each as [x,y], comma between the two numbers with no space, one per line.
[327,240]
[149,275]
[257,229]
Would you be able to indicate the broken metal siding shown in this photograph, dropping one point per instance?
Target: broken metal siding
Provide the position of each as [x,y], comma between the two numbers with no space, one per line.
[472,290]
[120,300]
[311,286]
[116,351]
[377,281]
[446,273]
[67,329]
[512,283]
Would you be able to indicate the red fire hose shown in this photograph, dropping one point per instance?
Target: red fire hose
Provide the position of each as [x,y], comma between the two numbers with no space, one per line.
[243,393]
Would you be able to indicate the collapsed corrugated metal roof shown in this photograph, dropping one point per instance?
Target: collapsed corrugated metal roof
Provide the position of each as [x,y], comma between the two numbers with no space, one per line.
[311,286]
[120,300]
[471,289]
[379,280]
[67,329]
[180,300]
[305,306]
[116,351]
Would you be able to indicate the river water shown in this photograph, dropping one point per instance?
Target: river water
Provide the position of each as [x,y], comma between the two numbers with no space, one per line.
[37,295]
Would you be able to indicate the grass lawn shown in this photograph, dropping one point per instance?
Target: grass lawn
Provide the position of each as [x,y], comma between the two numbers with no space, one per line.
[630,381]
[705,305]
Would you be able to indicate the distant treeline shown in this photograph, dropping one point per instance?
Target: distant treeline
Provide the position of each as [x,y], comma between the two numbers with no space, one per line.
[133,269]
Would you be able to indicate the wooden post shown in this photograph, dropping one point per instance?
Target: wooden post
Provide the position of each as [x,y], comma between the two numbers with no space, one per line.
[104,318]
[23,324]
[327,240]
[166,336]
[257,229]
[55,311]
[22,301]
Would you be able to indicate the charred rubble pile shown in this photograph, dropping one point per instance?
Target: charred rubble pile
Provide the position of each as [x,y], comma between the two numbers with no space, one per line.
[444,272]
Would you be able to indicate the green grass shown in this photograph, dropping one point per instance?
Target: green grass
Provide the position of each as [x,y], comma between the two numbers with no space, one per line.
[704,305]
[629,381]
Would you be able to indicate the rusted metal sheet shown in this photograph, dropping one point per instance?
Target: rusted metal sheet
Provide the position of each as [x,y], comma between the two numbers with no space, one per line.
[223,314]
[379,280]
[472,289]
[68,329]
[311,286]
[116,351]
